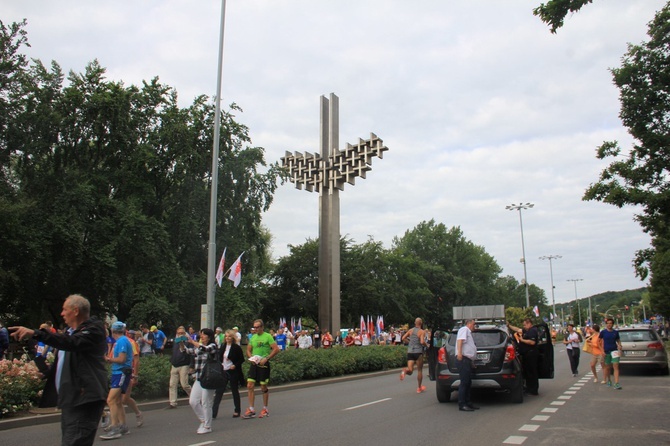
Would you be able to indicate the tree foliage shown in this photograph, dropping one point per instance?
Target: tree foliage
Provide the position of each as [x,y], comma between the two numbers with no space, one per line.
[553,12]
[425,273]
[640,177]
[104,190]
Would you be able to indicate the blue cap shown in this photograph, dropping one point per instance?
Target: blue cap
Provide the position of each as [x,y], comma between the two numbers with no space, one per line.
[118,326]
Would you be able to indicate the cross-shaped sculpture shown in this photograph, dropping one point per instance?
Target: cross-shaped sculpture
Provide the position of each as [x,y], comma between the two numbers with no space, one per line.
[326,173]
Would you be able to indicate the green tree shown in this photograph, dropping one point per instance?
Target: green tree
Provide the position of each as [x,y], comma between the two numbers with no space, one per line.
[641,177]
[104,190]
[553,12]
[455,269]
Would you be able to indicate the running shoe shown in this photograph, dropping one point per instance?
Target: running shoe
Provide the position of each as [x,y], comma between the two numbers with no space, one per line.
[421,389]
[106,419]
[249,414]
[402,374]
[140,419]
[204,430]
[264,413]
[113,434]
[617,386]
[124,430]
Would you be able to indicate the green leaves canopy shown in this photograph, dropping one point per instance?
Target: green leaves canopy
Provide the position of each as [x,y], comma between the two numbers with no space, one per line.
[104,190]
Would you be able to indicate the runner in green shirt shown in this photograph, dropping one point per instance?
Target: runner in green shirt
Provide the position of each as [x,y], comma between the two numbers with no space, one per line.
[262,347]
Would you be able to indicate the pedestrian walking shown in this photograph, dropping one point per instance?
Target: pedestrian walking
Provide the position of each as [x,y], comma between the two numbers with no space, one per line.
[571,342]
[201,399]
[231,357]
[180,362]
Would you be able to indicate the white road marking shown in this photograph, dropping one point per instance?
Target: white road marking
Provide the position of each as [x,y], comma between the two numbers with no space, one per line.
[557,403]
[540,418]
[367,404]
[203,443]
[549,410]
[529,427]
[564,397]
[515,439]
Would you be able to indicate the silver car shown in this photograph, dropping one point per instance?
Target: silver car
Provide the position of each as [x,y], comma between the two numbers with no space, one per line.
[643,348]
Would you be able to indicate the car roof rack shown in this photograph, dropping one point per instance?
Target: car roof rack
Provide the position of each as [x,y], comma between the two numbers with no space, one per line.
[482,314]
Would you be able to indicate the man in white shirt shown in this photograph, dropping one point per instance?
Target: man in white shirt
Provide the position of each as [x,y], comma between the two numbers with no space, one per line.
[304,341]
[466,353]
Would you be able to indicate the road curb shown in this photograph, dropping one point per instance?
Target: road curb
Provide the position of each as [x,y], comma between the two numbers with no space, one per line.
[38,419]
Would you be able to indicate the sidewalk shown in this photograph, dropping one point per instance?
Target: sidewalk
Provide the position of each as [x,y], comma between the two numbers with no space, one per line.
[54,417]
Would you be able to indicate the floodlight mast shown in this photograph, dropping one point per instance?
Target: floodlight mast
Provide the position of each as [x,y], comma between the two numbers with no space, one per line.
[519,207]
[551,273]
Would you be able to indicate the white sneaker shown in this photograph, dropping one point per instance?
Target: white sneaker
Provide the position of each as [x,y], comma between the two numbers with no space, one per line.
[204,430]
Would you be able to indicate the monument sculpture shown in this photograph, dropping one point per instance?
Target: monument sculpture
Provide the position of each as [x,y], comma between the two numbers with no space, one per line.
[326,172]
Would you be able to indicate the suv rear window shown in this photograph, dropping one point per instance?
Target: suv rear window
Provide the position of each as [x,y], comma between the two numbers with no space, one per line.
[636,336]
[484,339]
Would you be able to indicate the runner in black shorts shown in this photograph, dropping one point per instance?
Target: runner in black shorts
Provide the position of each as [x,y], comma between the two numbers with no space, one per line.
[417,341]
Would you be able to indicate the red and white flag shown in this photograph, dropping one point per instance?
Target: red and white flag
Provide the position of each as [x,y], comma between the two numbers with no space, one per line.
[536,311]
[362,324]
[236,271]
[219,272]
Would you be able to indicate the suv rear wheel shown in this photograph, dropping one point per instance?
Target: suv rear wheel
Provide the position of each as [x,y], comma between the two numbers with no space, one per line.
[443,393]
[516,394]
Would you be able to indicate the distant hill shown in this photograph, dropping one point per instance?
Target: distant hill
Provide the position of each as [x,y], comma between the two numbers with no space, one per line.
[609,300]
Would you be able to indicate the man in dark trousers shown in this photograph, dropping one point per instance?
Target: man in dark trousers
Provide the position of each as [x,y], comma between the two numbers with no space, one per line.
[527,345]
[81,376]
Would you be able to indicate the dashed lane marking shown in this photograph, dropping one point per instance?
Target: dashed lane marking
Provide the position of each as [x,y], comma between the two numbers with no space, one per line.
[549,410]
[367,404]
[515,439]
[529,427]
[540,418]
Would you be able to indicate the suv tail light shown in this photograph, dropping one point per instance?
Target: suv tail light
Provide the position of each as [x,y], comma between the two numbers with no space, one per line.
[656,346]
[510,354]
[442,355]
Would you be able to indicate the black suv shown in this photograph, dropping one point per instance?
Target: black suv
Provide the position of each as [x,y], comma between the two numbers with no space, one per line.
[497,367]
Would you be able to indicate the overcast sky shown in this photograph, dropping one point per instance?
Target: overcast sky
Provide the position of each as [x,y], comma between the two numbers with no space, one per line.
[479,104]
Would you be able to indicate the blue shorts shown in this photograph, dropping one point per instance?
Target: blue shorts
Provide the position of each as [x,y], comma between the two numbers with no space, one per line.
[121,381]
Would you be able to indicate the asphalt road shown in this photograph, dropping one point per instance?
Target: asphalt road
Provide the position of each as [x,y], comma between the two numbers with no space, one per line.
[382,410]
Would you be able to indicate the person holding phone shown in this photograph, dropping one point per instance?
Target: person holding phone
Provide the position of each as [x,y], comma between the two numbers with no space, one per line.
[181,362]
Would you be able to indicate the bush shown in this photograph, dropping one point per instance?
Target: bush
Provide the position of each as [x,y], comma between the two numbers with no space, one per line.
[20,385]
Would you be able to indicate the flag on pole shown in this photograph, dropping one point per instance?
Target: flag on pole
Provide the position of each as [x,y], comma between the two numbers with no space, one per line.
[219,272]
[299,327]
[371,327]
[236,271]
[536,311]
[292,325]
[362,324]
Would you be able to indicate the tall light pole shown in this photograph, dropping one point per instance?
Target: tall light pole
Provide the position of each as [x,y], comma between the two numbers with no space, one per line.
[579,312]
[551,274]
[519,207]
[207,316]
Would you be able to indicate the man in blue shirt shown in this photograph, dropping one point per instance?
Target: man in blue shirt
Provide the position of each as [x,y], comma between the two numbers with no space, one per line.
[611,346]
[122,370]
[280,338]
[159,340]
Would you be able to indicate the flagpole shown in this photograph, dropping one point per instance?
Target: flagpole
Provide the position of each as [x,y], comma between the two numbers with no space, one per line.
[211,255]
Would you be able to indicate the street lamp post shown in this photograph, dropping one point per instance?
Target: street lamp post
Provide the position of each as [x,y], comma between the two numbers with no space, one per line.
[579,312]
[519,207]
[551,275]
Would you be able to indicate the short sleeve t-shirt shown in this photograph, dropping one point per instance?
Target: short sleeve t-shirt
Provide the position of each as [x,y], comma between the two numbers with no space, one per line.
[122,345]
[281,341]
[261,344]
[609,340]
